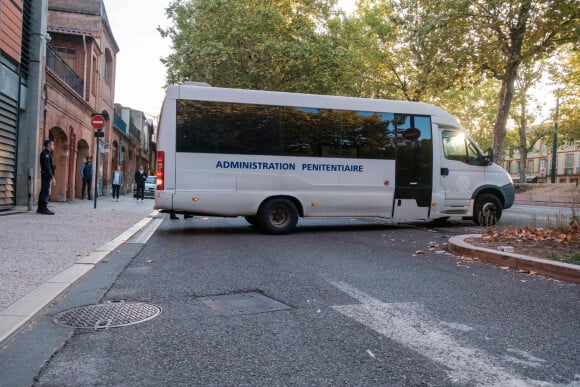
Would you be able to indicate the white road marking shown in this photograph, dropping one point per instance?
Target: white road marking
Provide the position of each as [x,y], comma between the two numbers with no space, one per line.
[411,325]
[147,232]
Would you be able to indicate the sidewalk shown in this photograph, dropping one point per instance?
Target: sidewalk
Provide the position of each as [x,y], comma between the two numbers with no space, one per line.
[572,201]
[42,255]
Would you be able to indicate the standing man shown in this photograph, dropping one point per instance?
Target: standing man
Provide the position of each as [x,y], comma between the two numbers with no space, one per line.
[46,178]
[140,177]
[87,176]
[117,182]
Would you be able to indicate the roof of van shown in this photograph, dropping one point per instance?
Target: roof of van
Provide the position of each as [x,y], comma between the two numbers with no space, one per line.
[204,92]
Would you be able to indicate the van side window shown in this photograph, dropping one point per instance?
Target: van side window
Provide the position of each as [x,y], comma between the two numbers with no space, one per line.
[457,146]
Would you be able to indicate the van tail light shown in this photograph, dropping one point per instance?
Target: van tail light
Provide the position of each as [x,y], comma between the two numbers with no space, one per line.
[160,174]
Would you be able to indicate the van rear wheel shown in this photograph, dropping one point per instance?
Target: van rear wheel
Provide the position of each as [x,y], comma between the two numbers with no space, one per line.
[278,216]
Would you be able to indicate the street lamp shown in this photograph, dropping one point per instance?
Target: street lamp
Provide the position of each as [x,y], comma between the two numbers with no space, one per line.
[555,144]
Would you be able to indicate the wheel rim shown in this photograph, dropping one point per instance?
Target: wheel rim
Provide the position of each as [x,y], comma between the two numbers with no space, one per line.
[489,208]
[488,214]
[279,217]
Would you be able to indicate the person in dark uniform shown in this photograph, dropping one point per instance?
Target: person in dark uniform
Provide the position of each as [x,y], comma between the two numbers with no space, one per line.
[140,177]
[87,176]
[46,177]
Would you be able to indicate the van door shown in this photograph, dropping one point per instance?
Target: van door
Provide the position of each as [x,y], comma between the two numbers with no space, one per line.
[460,173]
[414,168]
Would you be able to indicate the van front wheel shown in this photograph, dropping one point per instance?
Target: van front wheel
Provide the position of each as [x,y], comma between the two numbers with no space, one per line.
[278,216]
[487,210]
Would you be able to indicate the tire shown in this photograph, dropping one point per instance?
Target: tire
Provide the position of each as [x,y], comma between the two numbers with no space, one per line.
[487,210]
[278,216]
[253,220]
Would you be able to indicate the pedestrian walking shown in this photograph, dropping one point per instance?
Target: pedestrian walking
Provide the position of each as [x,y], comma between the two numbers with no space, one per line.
[140,177]
[117,182]
[87,176]
[46,177]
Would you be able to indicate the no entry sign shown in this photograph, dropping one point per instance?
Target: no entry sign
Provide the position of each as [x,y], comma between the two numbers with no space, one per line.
[98,121]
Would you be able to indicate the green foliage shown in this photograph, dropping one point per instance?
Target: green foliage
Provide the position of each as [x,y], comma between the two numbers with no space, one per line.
[565,71]
[259,44]
[463,55]
[412,50]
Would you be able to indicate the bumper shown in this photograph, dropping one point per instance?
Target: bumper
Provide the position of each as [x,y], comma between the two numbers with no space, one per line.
[509,194]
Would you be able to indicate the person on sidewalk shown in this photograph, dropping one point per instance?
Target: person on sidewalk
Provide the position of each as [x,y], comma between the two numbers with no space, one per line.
[140,177]
[46,177]
[87,176]
[117,182]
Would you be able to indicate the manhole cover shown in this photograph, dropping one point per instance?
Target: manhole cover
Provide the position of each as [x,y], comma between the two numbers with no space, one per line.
[108,315]
[243,303]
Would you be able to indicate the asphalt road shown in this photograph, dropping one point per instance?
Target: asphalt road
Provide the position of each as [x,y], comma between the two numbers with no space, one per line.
[340,302]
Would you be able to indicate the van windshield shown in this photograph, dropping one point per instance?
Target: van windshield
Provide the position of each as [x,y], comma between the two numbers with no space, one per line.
[150,179]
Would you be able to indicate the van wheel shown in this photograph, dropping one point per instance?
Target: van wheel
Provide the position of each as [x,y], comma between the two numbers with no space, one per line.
[487,210]
[253,220]
[278,216]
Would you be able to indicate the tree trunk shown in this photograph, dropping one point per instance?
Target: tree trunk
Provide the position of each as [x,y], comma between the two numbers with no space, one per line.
[505,102]
[514,58]
[523,140]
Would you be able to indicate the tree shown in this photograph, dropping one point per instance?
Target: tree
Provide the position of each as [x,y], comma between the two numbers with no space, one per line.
[565,73]
[474,106]
[506,33]
[265,44]
[528,77]
[414,46]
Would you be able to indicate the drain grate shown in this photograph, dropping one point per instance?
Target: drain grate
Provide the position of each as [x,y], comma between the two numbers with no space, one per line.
[108,315]
[243,303]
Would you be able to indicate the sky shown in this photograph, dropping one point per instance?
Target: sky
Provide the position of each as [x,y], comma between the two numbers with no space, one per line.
[140,75]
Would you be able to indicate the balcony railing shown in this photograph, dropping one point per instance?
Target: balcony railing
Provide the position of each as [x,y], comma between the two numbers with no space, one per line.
[119,123]
[134,131]
[59,67]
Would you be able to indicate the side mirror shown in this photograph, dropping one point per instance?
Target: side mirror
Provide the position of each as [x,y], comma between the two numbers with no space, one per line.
[487,159]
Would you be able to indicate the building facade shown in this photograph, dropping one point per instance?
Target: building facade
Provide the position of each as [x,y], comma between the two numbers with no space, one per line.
[22,46]
[539,163]
[135,148]
[57,70]
[79,82]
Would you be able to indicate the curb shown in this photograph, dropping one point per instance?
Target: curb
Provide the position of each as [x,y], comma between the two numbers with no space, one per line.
[19,313]
[558,270]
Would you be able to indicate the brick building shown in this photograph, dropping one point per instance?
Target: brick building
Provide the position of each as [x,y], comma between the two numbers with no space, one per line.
[57,69]
[539,163]
[135,147]
[79,82]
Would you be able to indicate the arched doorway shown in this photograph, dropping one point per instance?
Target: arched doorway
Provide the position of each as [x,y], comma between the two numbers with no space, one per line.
[60,159]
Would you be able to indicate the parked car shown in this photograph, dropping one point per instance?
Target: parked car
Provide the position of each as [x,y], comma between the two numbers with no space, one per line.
[150,186]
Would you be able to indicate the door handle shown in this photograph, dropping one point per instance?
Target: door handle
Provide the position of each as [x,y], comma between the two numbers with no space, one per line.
[444,171]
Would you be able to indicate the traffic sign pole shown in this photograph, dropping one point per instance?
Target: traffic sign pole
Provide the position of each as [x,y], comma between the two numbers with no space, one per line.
[96,173]
[98,123]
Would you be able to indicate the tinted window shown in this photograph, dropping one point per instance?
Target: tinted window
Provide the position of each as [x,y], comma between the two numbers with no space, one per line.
[235,128]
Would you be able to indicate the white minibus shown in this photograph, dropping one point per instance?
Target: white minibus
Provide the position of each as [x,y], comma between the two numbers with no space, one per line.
[273,157]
